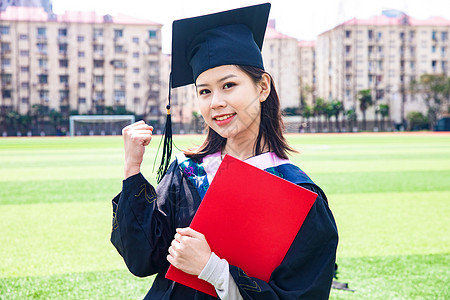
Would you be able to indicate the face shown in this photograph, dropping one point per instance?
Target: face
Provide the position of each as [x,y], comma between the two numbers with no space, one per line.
[230,101]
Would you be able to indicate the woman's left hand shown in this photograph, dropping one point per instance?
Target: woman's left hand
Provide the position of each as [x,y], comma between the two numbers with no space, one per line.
[189,251]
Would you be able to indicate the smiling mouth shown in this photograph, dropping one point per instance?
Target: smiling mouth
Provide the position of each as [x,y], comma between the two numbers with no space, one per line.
[224,117]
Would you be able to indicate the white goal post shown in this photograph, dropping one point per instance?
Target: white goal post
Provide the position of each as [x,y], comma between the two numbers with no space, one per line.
[99,124]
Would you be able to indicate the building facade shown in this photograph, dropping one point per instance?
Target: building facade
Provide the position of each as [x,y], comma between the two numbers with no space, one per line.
[79,61]
[307,65]
[384,54]
[280,55]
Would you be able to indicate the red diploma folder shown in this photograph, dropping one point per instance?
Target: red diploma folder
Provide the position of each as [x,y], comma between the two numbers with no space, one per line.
[249,217]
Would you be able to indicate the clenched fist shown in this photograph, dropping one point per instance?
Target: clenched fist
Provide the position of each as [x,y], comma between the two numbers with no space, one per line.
[135,137]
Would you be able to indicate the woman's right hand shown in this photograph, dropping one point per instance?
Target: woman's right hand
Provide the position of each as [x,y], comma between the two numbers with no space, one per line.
[135,137]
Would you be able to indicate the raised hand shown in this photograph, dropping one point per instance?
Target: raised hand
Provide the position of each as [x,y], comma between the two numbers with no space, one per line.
[135,137]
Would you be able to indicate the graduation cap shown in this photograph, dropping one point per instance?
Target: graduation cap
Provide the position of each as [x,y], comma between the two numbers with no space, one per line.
[232,37]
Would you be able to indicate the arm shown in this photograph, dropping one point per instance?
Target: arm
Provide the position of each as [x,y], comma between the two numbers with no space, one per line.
[142,229]
[142,223]
[307,269]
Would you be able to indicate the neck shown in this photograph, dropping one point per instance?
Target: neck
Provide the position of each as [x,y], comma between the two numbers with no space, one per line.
[241,148]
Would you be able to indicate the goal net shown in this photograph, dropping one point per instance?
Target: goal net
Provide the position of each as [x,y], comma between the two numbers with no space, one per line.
[99,124]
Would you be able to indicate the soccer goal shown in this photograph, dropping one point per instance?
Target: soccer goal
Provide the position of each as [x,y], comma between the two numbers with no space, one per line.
[99,124]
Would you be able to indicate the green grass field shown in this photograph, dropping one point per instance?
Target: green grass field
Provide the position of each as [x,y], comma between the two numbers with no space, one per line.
[390,194]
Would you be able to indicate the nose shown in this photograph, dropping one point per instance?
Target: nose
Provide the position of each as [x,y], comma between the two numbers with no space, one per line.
[217,101]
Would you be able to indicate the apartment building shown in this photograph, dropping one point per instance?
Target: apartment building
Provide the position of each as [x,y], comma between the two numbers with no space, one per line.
[280,56]
[307,65]
[385,54]
[79,61]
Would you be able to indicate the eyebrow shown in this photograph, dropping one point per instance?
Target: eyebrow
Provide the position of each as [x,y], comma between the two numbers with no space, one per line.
[220,80]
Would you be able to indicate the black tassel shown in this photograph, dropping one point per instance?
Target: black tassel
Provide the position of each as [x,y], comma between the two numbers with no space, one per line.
[167,146]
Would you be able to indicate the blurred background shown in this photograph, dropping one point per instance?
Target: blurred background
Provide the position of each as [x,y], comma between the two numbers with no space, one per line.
[338,66]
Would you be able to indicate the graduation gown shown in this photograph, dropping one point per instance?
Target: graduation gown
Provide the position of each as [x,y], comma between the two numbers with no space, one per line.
[145,220]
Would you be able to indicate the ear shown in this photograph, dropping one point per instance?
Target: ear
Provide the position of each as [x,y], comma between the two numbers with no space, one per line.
[264,84]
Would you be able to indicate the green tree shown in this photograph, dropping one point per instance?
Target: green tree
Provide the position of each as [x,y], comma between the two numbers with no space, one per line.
[383,110]
[351,117]
[319,111]
[307,112]
[435,90]
[417,121]
[336,109]
[365,101]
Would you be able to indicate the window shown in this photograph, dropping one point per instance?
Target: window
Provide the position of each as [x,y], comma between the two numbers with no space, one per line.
[348,34]
[6,79]
[136,100]
[136,85]
[433,35]
[412,65]
[98,78]
[136,70]
[118,33]
[379,35]
[98,32]
[25,85]
[24,69]
[24,100]
[24,53]
[98,63]
[348,64]
[153,49]
[41,32]
[63,95]
[42,62]
[63,78]
[43,95]
[99,95]
[5,47]
[444,65]
[136,54]
[80,38]
[42,47]
[348,49]
[118,48]
[119,95]
[43,78]
[433,49]
[80,53]
[119,79]
[443,51]
[63,63]
[23,37]
[62,48]
[4,30]
[152,34]
[62,32]
[81,69]
[6,93]
[81,100]
[370,34]
[444,36]
[119,64]
[98,49]
[136,40]
[82,85]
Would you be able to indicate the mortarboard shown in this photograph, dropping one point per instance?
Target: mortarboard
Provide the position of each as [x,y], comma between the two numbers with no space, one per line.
[232,37]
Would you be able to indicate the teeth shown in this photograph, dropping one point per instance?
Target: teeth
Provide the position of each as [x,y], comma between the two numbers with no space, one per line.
[223,117]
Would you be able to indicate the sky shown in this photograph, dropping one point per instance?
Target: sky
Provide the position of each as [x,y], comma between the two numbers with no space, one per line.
[301,19]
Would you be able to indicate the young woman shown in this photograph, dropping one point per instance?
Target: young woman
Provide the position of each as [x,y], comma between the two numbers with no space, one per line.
[241,109]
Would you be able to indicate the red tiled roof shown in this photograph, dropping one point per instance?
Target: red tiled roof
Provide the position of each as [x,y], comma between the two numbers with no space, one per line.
[38,14]
[384,20]
[307,44]
[272,33]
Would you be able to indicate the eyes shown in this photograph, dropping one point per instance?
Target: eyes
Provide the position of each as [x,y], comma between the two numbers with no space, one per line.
[226,86]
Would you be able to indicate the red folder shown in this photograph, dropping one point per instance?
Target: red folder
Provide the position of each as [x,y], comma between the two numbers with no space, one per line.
[249,217]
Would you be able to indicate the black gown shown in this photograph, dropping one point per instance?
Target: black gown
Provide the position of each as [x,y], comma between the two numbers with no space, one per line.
[145,220]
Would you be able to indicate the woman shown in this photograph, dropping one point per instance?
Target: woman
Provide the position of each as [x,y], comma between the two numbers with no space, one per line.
[241,109]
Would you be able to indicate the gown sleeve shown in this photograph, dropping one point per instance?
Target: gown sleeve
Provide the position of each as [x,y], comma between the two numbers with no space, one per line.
[307,270]
[143,222]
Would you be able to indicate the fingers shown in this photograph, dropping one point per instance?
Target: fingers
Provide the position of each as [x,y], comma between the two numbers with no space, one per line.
[189,232]
[140,125]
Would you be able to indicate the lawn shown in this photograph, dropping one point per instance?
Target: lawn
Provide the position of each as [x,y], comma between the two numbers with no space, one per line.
[390,194]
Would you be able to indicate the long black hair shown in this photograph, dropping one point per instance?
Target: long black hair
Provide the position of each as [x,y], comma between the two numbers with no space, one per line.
[270,135]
